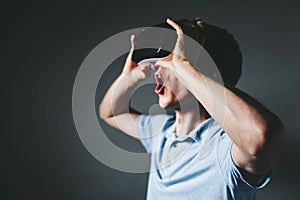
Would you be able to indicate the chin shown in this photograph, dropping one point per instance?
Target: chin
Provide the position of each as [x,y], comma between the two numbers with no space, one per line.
[167,103]
[164,105]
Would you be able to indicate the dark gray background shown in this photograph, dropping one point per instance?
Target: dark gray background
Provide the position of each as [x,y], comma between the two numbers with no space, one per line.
[43,46]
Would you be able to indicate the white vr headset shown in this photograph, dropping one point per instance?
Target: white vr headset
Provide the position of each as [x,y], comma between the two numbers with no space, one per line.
[150,62]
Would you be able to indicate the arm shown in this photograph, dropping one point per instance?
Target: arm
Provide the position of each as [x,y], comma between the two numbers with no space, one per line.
[114,108]
[257,134]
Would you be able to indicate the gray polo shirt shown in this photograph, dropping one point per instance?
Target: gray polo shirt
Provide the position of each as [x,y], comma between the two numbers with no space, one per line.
[197,166]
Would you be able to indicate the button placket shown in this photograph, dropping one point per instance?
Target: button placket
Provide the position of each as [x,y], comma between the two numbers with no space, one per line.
[165,153]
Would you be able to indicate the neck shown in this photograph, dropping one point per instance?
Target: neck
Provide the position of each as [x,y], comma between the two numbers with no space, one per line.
[189,118]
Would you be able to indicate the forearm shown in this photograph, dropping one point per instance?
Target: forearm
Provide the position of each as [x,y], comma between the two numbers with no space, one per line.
[116,100]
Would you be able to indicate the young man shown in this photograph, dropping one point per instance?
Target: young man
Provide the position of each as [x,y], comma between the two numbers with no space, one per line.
[214,147]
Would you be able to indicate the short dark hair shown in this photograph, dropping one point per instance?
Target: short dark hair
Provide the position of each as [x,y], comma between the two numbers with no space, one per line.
[220,45]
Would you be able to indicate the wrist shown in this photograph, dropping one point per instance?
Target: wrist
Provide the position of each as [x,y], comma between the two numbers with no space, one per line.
[180,67]
[128,79]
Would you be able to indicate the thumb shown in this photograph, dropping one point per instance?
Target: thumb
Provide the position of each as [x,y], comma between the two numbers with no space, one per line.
[129,57]
[129,64]
[163,63]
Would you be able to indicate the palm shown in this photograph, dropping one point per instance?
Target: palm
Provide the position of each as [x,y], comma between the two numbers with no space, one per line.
[131,68]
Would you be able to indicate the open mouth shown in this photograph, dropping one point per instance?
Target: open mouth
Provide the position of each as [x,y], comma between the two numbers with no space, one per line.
[160,85]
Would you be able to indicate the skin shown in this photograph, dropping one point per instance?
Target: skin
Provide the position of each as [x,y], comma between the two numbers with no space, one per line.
[257,134]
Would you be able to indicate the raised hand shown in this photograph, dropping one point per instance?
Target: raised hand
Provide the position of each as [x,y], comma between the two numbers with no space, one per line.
[186,50]
[132,69]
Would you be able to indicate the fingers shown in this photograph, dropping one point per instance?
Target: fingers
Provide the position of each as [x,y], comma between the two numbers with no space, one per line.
[175,26]
[163,63]
[129,57]
[132,41]
[180,38]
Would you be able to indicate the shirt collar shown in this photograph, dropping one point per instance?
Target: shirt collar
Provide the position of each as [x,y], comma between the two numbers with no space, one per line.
[197,134]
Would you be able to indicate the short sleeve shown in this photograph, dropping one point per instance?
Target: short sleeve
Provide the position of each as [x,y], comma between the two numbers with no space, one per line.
[230,171]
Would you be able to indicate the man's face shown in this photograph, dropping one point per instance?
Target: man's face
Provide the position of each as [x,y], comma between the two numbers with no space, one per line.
[171,92]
